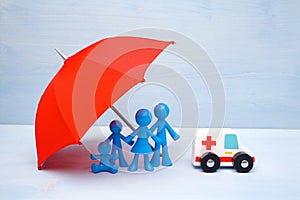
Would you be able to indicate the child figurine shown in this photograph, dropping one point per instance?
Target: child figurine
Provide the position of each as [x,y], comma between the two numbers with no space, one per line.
[116,136]
[106,160]
[143,118]
[161,111]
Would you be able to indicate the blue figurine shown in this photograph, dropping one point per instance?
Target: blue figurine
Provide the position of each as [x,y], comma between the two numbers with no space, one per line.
[161,111]
[106,160]
[116,136]
[143,118]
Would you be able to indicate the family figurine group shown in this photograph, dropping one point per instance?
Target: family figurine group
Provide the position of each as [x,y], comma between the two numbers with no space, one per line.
[141,146]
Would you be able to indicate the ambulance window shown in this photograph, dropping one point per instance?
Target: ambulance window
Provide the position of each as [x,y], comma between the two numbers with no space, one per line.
[231,142]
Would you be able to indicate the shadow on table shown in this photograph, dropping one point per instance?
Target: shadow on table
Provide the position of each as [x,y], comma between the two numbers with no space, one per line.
[70,159]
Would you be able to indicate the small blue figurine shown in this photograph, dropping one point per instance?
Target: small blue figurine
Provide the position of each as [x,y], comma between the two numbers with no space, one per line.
[106,160]
[143,118]
[116,136]
[161,111]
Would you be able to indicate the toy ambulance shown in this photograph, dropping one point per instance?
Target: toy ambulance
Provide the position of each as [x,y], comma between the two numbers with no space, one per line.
[213,147]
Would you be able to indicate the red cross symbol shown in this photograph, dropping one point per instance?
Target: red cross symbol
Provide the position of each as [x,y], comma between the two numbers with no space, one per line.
[208,143]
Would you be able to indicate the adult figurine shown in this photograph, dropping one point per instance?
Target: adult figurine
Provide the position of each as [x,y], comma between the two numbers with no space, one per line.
[106,163]
[116,136]
[142,147]
[161,111]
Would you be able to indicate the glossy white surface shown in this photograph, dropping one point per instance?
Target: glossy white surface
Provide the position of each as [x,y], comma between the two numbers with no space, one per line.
[67,174]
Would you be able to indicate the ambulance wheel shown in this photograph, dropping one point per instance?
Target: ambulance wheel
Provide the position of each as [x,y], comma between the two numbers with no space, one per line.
[210,163]
[243,163]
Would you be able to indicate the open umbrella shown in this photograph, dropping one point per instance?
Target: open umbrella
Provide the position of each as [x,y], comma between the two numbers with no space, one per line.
[88,84]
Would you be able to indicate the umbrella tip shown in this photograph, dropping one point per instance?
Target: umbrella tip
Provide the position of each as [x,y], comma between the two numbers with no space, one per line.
[63,56]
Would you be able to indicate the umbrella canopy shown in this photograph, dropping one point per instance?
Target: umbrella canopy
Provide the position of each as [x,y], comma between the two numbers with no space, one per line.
[89,83]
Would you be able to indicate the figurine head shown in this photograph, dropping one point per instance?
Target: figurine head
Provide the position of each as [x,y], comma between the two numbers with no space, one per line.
[115,126]
[143,117]
[104,148]
[161,111]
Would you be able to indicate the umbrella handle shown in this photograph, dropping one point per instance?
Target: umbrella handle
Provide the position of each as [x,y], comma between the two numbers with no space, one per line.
[122,118]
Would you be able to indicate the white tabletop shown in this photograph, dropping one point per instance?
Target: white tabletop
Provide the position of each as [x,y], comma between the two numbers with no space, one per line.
[67,173]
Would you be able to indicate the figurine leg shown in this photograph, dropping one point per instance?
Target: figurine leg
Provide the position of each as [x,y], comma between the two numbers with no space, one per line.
[95,168]
[134,165]
[104,168]
[113,169]
[113,152]
[166,161]
[122,161]
[155,160]
[147,164]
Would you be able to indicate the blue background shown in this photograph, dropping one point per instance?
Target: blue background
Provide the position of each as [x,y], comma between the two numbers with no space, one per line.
[254,44]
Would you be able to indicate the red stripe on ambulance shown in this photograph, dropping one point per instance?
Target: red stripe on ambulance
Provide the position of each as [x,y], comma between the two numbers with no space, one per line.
[222,159]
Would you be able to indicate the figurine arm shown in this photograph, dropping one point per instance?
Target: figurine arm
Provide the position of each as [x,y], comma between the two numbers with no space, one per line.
[122,136]
[109,138]
[155,125]
[154,137]
[129,138]
[95,157]
[124,139]
[173,134]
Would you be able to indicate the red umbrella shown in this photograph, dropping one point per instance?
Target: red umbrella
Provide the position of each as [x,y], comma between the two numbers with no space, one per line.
[88,84]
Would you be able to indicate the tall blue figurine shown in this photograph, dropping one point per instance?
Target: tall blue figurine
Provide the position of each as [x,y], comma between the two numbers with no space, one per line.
[106,160]
[161,111]
[116,136]
[143,118]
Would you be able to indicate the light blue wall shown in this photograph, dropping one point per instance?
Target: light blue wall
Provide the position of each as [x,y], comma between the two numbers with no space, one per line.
[255,44]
